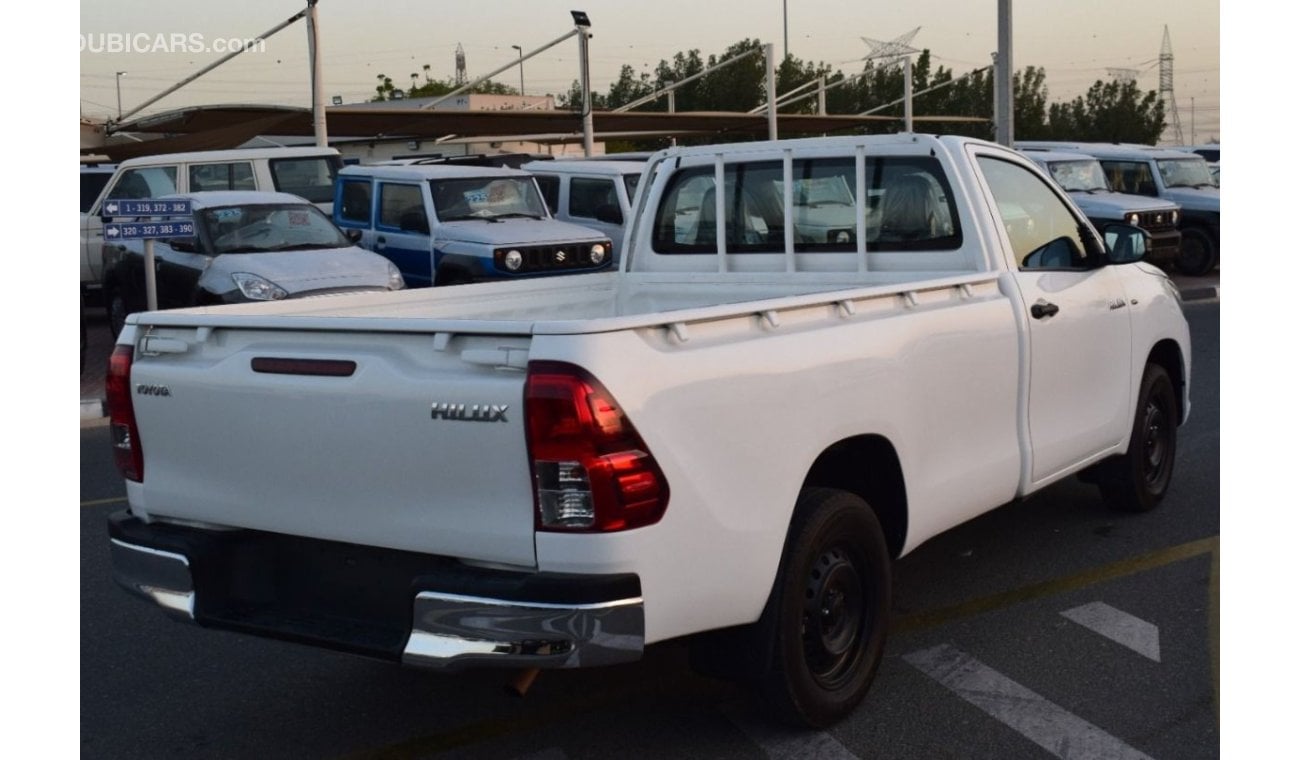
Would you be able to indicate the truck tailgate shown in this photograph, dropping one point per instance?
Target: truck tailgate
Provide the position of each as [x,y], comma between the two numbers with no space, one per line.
[339,435]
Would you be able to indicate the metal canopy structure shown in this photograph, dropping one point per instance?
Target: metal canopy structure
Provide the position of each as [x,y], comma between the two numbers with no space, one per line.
[217,127]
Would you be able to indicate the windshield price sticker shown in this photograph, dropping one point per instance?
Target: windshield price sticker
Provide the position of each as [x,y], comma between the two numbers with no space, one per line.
[149,230]
[181,207]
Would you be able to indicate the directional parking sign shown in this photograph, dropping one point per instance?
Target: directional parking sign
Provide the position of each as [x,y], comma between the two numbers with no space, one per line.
[177,207]
[149,230]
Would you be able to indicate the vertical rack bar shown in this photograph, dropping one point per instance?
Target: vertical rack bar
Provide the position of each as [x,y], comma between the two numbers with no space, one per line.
[787,178]
[860,204]
[720,209]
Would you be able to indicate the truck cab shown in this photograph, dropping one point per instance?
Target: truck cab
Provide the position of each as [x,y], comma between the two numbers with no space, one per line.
[447,225]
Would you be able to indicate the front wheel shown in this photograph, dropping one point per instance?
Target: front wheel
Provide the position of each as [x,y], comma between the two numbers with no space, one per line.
[1138,480]
[826,619]
[1196,256]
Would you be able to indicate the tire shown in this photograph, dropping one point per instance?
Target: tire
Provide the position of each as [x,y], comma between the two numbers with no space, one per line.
[824,625]
[117,311]
[1196,254]
[1138,480]
[448,277]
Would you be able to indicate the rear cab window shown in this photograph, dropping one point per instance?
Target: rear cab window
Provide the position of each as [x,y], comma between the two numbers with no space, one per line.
[908,206]
[311,177]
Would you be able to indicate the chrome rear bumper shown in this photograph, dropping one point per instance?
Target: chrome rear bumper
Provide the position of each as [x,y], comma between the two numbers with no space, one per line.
[437,613]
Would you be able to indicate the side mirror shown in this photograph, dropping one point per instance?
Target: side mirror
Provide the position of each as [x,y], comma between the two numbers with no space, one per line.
[609,214]
[1125,243]
[353,235]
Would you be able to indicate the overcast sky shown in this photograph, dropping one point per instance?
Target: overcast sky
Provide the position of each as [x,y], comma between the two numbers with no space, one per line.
[1076,43]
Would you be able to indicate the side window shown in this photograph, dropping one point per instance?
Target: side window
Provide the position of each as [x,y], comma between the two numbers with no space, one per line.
[1133,177]
[908,207]
[148,182]
[550,187]
[355,201]
[231,176]
[311,178]
[586,195]
[401,207]
[1043,232]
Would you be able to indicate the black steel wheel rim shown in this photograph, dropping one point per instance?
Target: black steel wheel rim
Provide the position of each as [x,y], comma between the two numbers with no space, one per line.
[834,617]
[1156,443]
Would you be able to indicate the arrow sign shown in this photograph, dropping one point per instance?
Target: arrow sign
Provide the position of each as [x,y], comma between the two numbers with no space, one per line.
[170,207]
[149,230]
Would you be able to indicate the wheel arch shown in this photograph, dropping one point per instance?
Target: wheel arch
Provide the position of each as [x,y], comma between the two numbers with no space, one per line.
[1167,355]
[867,466]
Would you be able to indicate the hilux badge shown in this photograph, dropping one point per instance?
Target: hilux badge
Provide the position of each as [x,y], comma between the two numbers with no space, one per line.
[471,413]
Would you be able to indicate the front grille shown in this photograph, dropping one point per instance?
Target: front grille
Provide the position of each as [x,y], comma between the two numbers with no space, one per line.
[1156,221]
[552,258]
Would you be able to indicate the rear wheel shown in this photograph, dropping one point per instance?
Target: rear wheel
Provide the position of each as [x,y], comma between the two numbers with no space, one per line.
[1138,480]
[825,622]
[1196,256]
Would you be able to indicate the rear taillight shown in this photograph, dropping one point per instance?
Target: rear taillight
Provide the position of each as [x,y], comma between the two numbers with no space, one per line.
[591,470]
[121,415]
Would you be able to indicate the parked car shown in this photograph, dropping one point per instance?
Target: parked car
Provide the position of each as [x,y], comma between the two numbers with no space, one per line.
[247,246]
[447,224]
[595,194]
[1178,176]
[306,172]
[1083,177]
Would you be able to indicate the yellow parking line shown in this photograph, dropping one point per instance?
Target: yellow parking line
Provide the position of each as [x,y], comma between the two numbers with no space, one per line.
[1090,577]
[102,502]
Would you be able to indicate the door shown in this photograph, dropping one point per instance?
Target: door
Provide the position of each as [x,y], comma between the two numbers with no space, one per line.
[402,231]
[586,196]
[1077,316]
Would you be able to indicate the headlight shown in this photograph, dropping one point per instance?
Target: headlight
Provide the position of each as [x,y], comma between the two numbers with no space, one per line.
[839,236]
[597,253]
[514,260]
[1173,217]
[395,281]
[1132,218]
[257,288]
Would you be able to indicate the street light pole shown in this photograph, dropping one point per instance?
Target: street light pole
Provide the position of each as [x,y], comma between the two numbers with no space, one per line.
[785,26]
[119,95]
[521,69]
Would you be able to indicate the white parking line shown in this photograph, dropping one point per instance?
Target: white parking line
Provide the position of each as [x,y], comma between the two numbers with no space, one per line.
[1051,727]
[787,744]
[1118,626]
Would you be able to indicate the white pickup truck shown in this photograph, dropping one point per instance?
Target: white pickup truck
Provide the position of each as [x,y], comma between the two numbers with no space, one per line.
[732,436]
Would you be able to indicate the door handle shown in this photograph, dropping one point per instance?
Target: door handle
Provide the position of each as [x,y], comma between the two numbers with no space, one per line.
[380,242]
[1043,309]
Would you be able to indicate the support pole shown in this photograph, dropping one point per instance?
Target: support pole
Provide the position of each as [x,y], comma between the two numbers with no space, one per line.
[1006,134]
[821,96]
[150,277]
[584,61]
[672,108]
[260,38]
[317,85]
[769,52]
[907,95]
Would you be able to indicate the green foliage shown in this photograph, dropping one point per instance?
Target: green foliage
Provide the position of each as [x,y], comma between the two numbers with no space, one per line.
[1109,112]
[435,87]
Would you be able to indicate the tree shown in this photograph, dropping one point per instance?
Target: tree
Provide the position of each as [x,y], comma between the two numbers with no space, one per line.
[1111,111]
